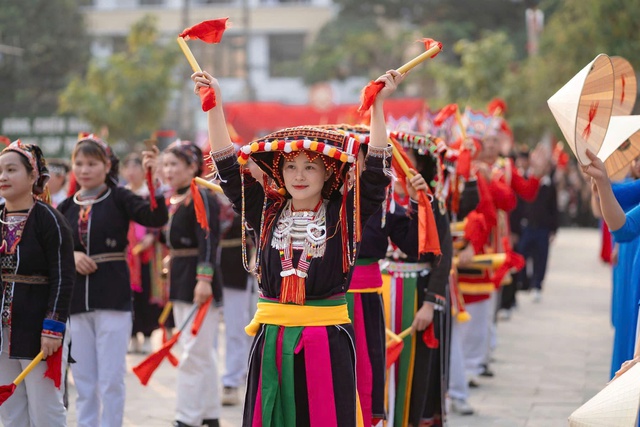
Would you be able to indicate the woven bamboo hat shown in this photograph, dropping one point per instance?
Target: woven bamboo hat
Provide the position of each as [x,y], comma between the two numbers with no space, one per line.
[621,145]
[626,87]
[615,406]
[582,107]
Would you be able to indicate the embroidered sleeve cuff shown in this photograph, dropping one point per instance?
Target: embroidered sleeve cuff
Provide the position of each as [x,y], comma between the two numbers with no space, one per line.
[53,328]
[435,299]
[226,153]
[204,272]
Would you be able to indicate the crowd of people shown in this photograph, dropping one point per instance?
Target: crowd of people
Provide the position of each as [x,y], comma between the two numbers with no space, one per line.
[383,259]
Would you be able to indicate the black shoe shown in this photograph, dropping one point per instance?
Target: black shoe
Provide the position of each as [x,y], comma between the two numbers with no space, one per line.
[180,424]
[211,423]
[486,372]
[474,383]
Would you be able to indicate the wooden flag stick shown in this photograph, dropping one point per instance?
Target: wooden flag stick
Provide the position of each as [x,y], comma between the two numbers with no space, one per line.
[210,185]
[419,59]
[187,52]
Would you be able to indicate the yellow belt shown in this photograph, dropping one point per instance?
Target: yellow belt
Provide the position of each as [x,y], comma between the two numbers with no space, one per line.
[377,290]
[476,288]
[290,315]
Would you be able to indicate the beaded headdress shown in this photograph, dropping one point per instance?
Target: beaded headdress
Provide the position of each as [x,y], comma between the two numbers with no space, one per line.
[36,159]
[336,149]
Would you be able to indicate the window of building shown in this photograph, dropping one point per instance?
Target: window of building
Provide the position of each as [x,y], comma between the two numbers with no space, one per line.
[285,53]
[151,2]
[214,1]
[226,59]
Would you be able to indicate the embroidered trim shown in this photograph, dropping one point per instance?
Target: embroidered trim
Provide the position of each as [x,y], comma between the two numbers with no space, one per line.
[52,334]
[108,257]
[204,272]
[184,253]
[223,154]
[31,280]
[383,153]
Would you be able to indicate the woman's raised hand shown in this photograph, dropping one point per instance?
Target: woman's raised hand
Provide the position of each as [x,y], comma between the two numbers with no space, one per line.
[150,158]
[596,169]
[204,79]
[391,80]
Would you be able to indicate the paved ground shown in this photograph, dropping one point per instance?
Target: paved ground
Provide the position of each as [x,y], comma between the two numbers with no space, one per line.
[552,356]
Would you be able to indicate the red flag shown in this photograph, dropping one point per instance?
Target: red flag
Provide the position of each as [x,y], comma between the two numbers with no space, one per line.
[428,240]
[429,43]
[446,112]
[200,315]
[497,107]
[152,189]
[207,31]
[393,352]
[429,337]
[54,367]
[207,98]
[372,90]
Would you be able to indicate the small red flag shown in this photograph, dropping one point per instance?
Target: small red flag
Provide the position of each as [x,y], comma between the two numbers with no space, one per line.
[207,31]
[497,107]
[446,112]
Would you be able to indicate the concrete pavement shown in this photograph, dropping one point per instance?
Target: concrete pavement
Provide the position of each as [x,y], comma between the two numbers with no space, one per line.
[552,356]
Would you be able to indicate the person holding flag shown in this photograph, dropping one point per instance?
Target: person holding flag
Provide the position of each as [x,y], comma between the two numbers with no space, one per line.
[38,272]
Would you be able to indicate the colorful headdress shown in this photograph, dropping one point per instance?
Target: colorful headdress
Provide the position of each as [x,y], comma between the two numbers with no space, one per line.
[479,124]
[337,149]
[36,159]
[112,176]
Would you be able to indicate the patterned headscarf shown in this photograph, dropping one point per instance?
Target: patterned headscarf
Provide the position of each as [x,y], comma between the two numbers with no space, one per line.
[187,151]
[108,152]
[36,159]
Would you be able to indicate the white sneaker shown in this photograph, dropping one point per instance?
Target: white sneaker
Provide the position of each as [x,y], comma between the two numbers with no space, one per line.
[134,345]
[537,295]
[504,314]
[146,346]
[461,407]
[230,396]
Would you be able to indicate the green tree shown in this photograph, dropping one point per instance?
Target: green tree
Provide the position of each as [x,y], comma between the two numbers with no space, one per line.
[127,94]
[55,45]
[484,67]
[576,31]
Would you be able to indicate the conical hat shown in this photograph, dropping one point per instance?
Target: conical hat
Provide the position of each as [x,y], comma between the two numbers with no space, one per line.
[582,107]
[621,145]
[615,406]
[626,87]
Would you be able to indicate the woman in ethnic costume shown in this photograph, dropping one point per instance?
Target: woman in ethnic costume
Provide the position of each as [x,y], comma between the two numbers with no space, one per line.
[364,298]
[302,365]
[144,258]
[192,235]
[99,214]
[37,280]
[420,299]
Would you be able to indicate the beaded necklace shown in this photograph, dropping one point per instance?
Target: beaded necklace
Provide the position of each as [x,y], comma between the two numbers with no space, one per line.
[85,202]
[303,230]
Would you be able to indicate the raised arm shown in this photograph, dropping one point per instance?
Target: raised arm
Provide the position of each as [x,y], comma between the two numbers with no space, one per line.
[611,211]
[378,128]
[218,133]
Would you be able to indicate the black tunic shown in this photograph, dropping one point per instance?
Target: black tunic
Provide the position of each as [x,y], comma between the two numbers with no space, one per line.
[184,232]
[109,287]
[46,249]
